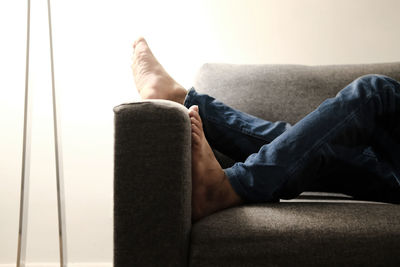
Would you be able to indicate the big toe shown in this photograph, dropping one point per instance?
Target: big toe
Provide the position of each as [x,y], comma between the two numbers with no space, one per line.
[193,109]
[194,112]
[139,40]
[142,54]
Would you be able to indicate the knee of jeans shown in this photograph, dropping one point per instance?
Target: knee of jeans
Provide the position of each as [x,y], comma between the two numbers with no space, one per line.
[370,79]
[372,84]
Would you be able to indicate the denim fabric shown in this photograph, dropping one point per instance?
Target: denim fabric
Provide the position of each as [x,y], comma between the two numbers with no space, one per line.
[349,144]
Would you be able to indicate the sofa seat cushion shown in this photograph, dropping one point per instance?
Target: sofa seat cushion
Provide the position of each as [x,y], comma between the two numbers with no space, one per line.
[299,233]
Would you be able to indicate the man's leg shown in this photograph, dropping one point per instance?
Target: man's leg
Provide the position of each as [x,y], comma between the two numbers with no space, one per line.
[353,170]
[363,176]
[365,113]
[230,131]
[292,161]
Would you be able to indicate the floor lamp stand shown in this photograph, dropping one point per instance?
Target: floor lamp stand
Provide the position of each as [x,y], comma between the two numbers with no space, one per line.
[24,193]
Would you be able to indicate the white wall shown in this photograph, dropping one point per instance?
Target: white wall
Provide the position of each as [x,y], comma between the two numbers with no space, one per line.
[92,45]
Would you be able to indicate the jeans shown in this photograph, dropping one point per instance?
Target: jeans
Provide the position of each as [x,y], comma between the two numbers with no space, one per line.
[350,144]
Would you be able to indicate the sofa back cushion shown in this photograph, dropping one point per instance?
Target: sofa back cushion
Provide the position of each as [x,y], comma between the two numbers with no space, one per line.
[282,92]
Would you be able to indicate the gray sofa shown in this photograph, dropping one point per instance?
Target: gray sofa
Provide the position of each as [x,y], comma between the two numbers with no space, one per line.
[152,183]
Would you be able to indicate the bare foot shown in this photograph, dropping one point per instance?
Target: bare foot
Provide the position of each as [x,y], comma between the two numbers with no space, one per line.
[151,80]
[211,190]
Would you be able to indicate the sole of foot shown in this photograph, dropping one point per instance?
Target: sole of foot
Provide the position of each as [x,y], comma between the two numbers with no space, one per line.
[211,190]
[151,79]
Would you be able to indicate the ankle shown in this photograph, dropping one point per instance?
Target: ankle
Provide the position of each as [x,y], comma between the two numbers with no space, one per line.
[228,197]
[215,197]
[179,95]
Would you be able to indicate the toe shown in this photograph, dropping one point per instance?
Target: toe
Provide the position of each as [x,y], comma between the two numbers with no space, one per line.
[138,40]
[195,120]
[196,129]
[198,120]
[196,139]
[194,112]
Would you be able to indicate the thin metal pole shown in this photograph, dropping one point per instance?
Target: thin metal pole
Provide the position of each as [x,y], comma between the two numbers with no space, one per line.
[26,147]
[59,169]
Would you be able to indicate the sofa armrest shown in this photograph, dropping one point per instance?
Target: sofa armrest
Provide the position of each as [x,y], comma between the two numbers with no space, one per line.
[152,184]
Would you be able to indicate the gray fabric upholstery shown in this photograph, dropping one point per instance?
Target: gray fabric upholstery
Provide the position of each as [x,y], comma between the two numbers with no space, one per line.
[152,184]
[281,92]
[299,234]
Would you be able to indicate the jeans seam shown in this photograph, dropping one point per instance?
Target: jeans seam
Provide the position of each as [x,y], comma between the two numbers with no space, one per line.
[209,118]
[322,140]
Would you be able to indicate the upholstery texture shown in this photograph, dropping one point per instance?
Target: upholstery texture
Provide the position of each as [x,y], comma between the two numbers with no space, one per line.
[152,184]
[281,92]
[336,233]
